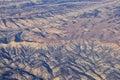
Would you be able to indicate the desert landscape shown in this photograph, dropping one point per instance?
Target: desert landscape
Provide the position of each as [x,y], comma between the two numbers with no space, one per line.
[59,40]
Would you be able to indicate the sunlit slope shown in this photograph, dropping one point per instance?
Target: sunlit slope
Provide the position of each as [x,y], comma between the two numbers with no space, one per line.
[80,59]
[59,40]
[36,22]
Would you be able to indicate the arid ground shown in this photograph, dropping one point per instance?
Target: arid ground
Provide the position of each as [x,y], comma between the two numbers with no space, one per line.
[59,39]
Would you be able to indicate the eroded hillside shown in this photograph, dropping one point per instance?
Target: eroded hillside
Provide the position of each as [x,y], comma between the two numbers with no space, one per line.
[59,40]
[82,60]
[28,21]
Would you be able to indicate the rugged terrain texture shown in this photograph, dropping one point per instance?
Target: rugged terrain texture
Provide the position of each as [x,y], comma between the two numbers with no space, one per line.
[75,60]
[59,40]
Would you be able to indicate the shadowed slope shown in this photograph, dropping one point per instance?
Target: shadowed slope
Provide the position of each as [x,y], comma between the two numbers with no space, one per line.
[89,60]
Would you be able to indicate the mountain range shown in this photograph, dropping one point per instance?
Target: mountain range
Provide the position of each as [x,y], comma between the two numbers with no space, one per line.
[59,40]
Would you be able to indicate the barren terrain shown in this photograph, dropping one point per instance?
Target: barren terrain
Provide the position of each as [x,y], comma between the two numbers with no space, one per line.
[60,40]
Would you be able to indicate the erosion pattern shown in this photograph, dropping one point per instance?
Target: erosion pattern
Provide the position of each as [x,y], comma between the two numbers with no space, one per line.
[59,40]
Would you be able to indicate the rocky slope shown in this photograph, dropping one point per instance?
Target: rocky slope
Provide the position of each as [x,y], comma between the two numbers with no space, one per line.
[59,40]
[74,60]
[56,21]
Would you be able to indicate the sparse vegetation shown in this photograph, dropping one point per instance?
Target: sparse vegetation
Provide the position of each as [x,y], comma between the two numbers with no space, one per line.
[59,40]
[76,60]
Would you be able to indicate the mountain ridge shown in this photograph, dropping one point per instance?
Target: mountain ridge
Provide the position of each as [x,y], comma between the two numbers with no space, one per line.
[59,40]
